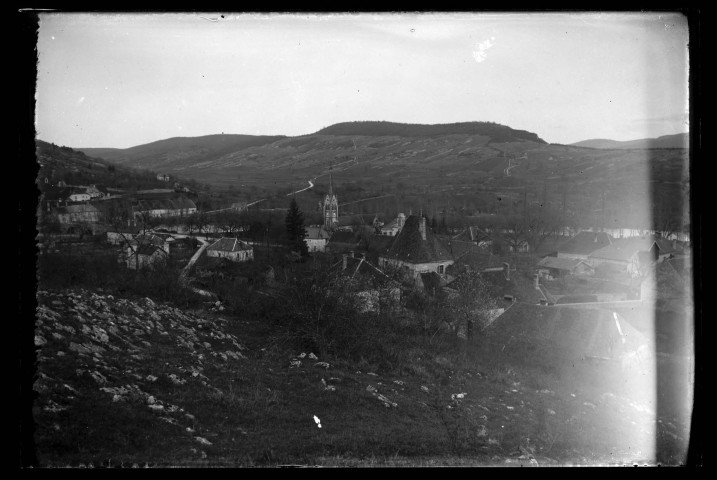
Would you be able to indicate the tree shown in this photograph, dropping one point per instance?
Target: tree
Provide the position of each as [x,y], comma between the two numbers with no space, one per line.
[295,230]
[472,302]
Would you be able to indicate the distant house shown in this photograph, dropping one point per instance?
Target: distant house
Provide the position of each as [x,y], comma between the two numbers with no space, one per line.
[165,207]
[583,244]
[553,267]
[97,191]
[416,250]
[632,254]
[84,213]
[79,197]
[144,256]
[231,248]
[394,227]
[163,177]
[316,239]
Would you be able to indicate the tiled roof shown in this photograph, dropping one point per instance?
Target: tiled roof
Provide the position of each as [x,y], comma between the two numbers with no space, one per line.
[409,246]
[229,245]
[585,243]
[316,233]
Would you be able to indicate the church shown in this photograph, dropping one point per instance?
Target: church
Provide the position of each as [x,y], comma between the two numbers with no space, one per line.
[331,208]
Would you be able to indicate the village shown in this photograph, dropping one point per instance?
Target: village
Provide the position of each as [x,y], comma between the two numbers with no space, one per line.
[589,268]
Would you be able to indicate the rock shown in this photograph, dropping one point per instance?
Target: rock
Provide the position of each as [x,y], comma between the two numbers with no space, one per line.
[39,341]
[151,378]
[203,440]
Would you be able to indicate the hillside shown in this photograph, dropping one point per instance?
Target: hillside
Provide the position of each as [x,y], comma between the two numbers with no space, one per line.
[173,153]
[457,168]
[680,140]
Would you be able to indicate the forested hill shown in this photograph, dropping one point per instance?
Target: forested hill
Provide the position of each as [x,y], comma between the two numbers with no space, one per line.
[498,133]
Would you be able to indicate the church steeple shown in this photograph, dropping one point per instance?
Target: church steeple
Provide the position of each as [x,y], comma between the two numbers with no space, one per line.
[331,205]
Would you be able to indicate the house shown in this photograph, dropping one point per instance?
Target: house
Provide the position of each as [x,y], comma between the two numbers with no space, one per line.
[393,227]
[144,256]
[583,244]
[84,213]
[163,177]
[554,267]
[631,255]
[416,250]
[316,238]
[165,207]
[231,248]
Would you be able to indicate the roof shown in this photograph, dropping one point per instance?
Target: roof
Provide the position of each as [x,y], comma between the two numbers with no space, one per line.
[229,245]
[317,233]
[624,249]
[560,263]
[585,243]
[410,247]
[149,239]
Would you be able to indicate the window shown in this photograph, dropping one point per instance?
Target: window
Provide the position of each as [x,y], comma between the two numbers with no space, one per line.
[440,269]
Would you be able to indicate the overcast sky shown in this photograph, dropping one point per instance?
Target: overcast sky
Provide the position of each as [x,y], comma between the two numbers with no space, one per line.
[120,80]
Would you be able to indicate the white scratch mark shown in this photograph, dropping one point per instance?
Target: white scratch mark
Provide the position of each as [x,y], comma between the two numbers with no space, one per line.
[318,422]
[480,53]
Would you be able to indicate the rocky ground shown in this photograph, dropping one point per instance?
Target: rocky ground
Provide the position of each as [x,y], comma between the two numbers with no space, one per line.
[134,382]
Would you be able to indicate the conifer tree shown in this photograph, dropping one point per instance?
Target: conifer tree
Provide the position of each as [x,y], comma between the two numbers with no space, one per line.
[295,230]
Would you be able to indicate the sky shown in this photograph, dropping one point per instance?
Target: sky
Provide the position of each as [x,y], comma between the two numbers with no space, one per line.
[121,80]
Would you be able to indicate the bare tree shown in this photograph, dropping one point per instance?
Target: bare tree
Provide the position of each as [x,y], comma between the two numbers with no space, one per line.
[472,301]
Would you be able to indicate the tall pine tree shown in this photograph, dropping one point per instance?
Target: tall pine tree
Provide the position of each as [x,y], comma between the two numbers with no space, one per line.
[295,230]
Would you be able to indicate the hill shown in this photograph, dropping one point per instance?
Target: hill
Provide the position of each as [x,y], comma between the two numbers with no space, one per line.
[60,163]
[173,153]
[496,132]
[680,140]
[458,168]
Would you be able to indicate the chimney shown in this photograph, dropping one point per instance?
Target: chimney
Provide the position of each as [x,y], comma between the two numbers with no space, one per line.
[537,280]
[506,269]
[344,261]
[422,227]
